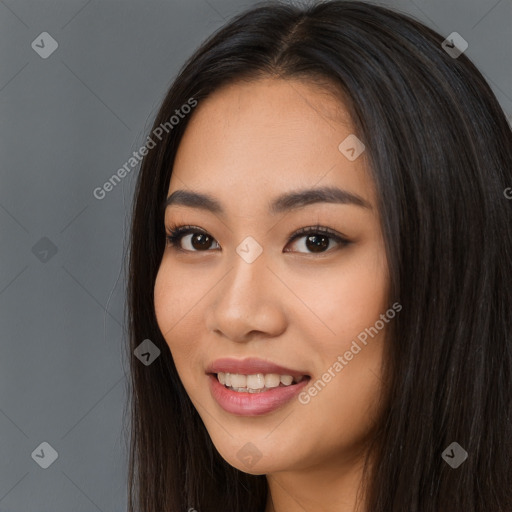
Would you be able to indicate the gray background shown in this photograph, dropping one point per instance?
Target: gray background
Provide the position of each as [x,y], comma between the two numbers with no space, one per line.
[68,123]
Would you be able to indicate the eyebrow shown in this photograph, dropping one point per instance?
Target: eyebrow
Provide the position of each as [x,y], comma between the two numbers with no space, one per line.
[283,203]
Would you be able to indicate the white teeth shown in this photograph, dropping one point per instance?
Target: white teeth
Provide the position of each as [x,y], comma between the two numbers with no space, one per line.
[272,380]
[255,383]
[286,379]
[238,381]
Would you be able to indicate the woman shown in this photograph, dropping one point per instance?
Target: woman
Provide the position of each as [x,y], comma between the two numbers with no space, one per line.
[321,252]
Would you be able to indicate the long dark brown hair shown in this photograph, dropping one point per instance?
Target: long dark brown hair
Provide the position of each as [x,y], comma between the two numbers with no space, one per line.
[440,150]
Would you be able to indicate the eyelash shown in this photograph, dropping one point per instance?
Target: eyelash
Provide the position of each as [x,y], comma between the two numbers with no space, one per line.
[176,232]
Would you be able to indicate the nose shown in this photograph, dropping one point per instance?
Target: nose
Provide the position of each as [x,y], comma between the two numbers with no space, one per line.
[247,303]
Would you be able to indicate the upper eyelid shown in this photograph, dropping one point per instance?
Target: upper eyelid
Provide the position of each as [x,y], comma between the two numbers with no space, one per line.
[189,229]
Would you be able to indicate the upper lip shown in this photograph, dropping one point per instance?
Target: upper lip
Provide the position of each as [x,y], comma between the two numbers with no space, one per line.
[251,366]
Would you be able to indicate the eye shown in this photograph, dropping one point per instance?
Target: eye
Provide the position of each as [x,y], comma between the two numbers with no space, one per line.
[199,241]
[318,239]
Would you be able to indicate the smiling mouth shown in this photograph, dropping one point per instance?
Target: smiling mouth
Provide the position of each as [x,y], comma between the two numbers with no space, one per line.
[257,383]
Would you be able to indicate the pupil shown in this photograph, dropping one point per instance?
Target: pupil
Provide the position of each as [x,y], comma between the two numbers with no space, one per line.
[322,242]
[202,240]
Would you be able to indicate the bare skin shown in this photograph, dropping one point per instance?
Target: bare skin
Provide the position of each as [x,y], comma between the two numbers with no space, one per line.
[246,144]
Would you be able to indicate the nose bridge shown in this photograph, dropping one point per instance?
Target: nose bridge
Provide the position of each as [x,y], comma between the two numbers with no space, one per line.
[249,267]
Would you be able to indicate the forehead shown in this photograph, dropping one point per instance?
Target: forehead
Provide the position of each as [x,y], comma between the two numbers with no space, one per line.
[251,140]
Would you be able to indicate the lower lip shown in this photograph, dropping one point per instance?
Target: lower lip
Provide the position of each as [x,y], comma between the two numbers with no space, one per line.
[253,404]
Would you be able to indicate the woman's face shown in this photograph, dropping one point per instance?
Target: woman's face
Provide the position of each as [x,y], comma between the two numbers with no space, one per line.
[238,288]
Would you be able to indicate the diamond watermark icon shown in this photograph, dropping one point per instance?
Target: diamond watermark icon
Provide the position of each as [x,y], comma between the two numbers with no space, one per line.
[45,455]
[147,352]
[454,45]
[249,249]
[454,455]
[44,249]
[351,147]
[44,45]
[249,454]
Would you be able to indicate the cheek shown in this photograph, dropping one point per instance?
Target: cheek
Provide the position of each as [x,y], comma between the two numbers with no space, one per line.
[349,298]
[176,316]
[350,303]
[164,300]
[363,298]
[176,296]
[360,297]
